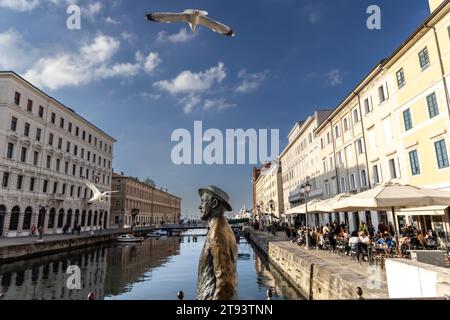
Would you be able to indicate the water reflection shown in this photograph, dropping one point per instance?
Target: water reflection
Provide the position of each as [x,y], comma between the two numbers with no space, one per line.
[154,269]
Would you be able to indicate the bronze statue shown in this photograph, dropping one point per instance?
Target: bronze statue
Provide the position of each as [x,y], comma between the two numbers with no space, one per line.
[217,266]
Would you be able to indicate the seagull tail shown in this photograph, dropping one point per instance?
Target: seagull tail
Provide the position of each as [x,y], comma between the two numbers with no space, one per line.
[149,17]
[230,33]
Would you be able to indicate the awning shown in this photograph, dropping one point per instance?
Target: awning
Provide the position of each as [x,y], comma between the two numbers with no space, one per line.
[423,211]
[296,210]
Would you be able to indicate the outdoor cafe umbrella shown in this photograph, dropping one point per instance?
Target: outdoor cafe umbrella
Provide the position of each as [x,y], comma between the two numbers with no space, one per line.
[326,205]
[391,196]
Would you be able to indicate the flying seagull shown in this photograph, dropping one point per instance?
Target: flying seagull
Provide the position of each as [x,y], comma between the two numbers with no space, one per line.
[194,18]
[98,196]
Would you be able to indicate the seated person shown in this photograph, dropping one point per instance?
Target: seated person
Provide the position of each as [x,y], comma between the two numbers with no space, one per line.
[354,241]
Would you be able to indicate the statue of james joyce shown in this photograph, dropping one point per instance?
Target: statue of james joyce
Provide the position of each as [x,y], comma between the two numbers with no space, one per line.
[217,265]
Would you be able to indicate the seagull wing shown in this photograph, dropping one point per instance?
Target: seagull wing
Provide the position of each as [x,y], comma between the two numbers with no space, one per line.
[167,17]
[109,192]
[93,188]
[216,26]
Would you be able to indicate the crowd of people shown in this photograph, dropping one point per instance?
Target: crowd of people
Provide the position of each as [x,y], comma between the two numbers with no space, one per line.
[362,243]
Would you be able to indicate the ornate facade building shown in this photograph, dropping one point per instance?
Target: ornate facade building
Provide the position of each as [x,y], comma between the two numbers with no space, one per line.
[155,206]
[47,151]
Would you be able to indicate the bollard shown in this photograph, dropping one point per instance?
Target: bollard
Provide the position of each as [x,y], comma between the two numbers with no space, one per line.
[269,294]
[359,292]
[180,295]
[91,296]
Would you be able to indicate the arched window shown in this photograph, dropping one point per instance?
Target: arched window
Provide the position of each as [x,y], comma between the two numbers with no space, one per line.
[69,217]
[105,220]
[100,218]
[89,218]
[60,218]
[95,218]
[27,219]
[77,218]
[83,218]
[51,218]
[41,218]
[2,218]
[14,222]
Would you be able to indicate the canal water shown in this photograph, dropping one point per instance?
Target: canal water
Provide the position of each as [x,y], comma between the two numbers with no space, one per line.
[155,269]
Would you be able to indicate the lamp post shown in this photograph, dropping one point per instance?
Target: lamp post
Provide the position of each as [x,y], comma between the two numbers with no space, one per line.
[305,189]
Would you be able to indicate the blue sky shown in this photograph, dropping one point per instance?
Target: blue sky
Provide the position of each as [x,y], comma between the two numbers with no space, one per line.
[139,81]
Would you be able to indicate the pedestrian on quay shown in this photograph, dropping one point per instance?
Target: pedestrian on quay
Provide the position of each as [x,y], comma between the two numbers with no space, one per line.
[33,230]
[288,232]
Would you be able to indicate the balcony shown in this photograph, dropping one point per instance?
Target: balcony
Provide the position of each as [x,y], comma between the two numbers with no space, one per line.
[59,197]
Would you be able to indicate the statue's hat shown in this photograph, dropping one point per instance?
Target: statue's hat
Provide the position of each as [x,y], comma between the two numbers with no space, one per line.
[218,193]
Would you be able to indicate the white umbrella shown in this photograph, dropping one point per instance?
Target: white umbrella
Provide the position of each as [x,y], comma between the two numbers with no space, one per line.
[392,195]
[327,204]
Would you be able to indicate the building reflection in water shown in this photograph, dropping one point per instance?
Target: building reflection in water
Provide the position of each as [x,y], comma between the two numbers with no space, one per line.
[104,271]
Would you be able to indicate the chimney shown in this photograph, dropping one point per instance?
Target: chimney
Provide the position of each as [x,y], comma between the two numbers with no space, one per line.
[434,4]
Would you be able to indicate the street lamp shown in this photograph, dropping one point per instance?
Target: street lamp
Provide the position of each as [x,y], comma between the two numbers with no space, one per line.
[305,189]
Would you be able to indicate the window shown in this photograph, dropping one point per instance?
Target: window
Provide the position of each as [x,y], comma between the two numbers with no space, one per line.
[75,150]
[355,116]
[23,155]
[392,169]
[93,158]
[81,172]
[101,144]
[50,139]
[66,167]
[433,108]
[19,182]
[38,134]
[331,163]
[90,138]
[10,150]
[68,146]
[359,147]
[53,118]
[32,183]
[71,190]
[26,130]
[45,186]
[95,141]
[35,158]
[407,119]
[84,135]
[70,127]
[82,152]
[17,99]
[441,154]
[60,143]
[363,178]
[13,124]
[61,123]
[58,164]
[88,156]
[352,182]
[77,131]
[55,187]
[367,106]
[401,78]
[49,162]
[339,154]
[30,106]
[424,59]
[322,143]
[382,94]
[74,169]
[343,187]
[414,162]
[63,189]
[324,166]
[5,180]
[336,131]
[346,124]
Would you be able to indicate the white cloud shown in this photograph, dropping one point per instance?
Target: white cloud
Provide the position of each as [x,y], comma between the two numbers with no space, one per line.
[92,62]
[91,10]
[151,62]
[15,52]
[182,36]
[250,81]
[188,81]
[129,37]
[150,96]
[111,21]
[190,102]
[19,5]
[218,104]
[334,77]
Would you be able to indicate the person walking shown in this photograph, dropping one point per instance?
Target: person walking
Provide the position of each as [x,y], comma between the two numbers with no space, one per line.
[33,230]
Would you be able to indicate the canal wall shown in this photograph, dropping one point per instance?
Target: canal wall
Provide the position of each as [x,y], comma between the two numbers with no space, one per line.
[33,249]
[317,278]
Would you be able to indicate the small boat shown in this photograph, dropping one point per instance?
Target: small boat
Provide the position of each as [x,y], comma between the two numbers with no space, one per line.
[129,238]
[157,233]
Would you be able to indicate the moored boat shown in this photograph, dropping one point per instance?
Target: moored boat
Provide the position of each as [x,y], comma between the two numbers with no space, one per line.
[129,238]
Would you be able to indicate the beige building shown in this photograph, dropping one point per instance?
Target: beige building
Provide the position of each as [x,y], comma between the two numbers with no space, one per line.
[155,205]
[269,192]
[301,162]
[47,151]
